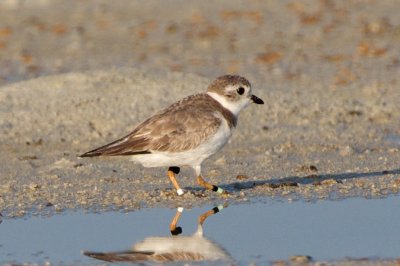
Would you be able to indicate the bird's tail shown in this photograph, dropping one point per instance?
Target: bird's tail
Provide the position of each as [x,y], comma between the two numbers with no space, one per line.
[122,256]
[116,148]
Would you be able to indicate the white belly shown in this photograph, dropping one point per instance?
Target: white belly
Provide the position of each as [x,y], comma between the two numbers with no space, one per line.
[192,157]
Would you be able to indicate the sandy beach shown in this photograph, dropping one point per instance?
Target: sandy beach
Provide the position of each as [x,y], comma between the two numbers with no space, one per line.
[79,75]
[73,113]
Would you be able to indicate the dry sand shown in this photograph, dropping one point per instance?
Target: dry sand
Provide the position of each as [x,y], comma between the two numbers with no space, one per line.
[327,70]
[322,150]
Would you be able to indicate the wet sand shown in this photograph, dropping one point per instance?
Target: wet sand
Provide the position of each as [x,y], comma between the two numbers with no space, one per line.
[327,71]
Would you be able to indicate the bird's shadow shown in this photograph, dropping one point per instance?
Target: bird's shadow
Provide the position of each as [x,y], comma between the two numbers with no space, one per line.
[313,178]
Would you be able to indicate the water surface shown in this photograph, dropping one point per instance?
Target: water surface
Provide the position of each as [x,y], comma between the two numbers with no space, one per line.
[260,232]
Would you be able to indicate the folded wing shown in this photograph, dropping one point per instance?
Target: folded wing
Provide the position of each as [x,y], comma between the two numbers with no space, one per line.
[180,127]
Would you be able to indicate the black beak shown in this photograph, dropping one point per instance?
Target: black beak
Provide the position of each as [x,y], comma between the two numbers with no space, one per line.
[256,100]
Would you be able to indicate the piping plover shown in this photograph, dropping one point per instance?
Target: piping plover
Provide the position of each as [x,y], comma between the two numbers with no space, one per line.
[187,132]
[175,248]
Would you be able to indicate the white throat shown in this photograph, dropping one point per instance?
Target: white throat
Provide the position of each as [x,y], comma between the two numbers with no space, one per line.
[234,107]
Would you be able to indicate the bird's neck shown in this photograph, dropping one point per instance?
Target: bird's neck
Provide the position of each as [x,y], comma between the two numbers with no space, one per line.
[233,107]
[230,116]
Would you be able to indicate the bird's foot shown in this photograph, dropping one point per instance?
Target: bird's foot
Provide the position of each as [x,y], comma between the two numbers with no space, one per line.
[221,191]
[225,194]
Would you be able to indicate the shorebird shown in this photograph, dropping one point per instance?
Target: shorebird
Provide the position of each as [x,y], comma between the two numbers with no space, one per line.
[174,248]
[187,132]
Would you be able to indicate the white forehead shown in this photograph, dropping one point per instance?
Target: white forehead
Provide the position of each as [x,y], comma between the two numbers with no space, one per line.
[234,87]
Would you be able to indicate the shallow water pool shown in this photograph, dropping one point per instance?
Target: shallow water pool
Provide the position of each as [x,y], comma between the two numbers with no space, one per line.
[258,232]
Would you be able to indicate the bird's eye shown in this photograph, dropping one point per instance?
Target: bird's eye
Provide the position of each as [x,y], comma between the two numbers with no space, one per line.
[240,90]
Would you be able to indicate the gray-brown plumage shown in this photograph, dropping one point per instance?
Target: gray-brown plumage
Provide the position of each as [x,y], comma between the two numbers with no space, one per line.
[137,256]
[173,129]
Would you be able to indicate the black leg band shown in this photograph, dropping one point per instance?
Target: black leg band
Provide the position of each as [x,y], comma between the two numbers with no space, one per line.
[174,169]
[176,231]
[214,188]
[215,210]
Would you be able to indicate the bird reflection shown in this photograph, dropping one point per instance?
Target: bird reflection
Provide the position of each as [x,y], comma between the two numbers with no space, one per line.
[175,248]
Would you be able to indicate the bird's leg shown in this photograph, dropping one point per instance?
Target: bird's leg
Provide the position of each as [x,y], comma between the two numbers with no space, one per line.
[204,183]
[172,171]
[172,227]
[205,215]
[209,186]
